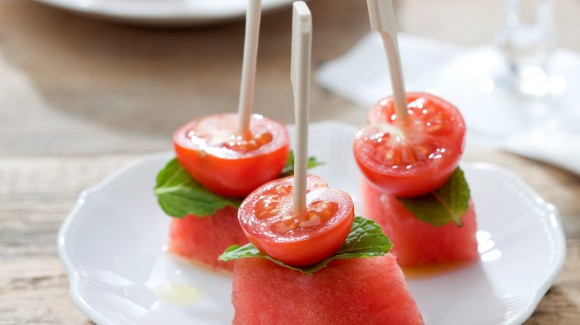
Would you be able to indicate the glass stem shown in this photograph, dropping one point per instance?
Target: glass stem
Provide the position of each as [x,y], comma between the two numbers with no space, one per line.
[527,40]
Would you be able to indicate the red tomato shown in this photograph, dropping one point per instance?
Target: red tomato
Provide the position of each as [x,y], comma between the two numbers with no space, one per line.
[417,158]
[228,163]
[267,218]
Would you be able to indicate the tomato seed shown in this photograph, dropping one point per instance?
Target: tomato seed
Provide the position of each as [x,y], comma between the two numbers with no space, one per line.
[311,222]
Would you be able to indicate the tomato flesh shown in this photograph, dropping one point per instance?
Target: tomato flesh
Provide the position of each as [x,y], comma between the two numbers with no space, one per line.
[267,218]
[226,162]
[416,158]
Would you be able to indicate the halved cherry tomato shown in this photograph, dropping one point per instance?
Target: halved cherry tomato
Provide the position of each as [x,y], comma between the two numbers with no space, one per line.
[267,218]
[417,158]
[226,162]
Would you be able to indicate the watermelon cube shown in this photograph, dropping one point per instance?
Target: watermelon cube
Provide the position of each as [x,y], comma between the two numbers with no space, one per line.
[418,243]
[203,239]
[351,291]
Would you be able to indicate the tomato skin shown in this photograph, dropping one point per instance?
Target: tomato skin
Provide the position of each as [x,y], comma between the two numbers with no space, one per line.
[219,168]
[425,174]
[300,246]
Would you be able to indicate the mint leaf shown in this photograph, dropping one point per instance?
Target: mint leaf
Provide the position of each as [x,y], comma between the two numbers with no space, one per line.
[366,239]
[179,194]
[288,169]
[444,205]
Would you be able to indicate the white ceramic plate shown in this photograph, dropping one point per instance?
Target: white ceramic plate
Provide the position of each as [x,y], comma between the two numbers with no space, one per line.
[164,12]
[112,244]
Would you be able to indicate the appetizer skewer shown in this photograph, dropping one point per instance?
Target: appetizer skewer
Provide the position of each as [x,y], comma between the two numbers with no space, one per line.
[221,159]
[413,187]
[310,260]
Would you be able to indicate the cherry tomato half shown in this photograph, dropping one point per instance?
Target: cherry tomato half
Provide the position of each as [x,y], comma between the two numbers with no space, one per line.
[417,158]
[226,162]
[267,218]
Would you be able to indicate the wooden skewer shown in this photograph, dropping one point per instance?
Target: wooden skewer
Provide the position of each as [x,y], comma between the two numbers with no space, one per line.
[382,17]
[246,101]
[300,77]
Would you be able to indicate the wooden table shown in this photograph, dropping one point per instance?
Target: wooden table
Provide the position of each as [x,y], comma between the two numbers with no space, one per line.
[81,98]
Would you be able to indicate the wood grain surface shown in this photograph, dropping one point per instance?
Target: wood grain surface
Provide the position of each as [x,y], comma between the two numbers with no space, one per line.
[80,98]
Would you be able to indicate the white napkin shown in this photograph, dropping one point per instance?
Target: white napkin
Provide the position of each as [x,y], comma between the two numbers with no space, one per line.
[560,150]
[362,74]
[544,130]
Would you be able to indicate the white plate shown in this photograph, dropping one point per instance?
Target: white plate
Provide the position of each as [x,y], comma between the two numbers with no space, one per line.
[112,246]
[164,12]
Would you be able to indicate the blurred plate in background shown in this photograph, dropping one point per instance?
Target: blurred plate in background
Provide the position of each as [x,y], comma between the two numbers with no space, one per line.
[164,12]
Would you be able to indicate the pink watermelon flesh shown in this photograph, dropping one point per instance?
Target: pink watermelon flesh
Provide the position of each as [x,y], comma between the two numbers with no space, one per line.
[351,291]
[204,239]
[418,243]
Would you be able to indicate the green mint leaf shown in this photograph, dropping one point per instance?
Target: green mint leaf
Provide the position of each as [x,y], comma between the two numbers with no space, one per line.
[446,204]
[288,169]
[180,195]
[366,239]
